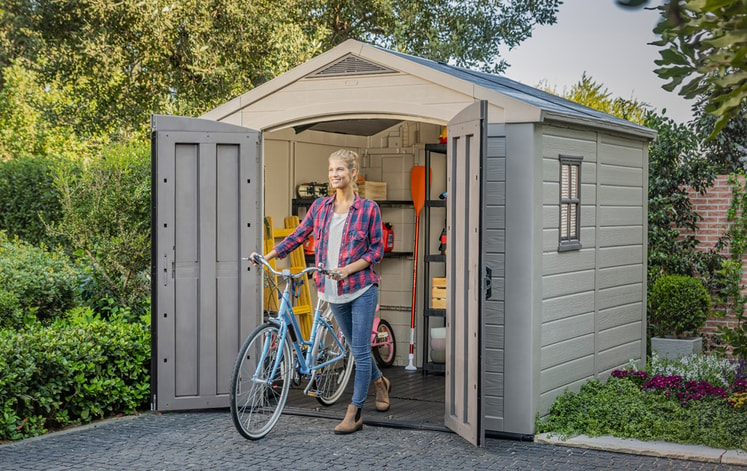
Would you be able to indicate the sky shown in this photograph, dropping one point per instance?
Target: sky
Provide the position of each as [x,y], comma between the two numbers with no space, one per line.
[609,43]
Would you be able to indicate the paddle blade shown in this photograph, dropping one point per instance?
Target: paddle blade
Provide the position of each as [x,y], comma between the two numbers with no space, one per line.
[417,186]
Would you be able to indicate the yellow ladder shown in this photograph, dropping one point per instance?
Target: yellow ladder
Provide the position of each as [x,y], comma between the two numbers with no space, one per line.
[302,303]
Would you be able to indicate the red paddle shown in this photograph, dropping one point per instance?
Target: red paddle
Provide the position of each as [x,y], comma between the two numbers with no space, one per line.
[417,187]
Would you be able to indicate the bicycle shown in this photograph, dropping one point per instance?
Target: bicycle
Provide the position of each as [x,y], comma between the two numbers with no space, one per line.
[383,345]
[275,355]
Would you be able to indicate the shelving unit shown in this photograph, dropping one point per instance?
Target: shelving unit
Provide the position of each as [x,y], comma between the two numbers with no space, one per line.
[298,203]
[428,259]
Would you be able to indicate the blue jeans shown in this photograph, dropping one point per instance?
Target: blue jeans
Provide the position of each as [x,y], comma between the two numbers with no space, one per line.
[356,322]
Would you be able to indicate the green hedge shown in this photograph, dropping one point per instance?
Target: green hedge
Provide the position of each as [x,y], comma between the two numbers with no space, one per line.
[71,372]
[35,281]
[28,195]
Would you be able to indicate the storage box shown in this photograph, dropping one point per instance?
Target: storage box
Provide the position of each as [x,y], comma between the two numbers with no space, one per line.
[438,293]
[372,190]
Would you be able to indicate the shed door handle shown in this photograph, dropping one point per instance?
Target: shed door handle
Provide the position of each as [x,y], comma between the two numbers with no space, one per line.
[488,282]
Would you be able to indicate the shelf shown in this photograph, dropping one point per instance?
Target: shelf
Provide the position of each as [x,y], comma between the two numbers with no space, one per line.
[429,312]
[429,258]
[306,202]
[310,257]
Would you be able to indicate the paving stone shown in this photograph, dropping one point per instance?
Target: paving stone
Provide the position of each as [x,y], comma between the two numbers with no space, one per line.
[208,440]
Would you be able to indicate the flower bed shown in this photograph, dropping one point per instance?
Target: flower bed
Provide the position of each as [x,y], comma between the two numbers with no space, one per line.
[695,400]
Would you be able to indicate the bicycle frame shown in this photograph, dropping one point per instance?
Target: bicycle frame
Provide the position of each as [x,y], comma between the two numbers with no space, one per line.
[288,323]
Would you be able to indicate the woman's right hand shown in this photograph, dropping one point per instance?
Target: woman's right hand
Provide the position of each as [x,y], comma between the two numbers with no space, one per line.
[254,258]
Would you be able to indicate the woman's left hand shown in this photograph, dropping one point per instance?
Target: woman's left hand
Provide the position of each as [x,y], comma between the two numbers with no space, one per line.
[339,273]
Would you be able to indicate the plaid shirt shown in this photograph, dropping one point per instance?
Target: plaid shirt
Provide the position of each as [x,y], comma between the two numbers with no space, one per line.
[361,239]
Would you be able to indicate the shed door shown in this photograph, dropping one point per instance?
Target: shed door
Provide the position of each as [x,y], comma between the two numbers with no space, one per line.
[466,150]
[206,196]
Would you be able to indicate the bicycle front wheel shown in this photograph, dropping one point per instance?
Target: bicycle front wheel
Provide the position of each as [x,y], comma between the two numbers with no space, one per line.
[257,397]
[330,381]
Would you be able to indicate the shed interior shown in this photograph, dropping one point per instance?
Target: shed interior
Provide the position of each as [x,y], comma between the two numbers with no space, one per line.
[388,149]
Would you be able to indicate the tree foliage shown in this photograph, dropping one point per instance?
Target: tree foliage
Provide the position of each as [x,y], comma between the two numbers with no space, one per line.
[595,95]
[674,167]
[106,218]
[705,54]
[727,149]
[119,61]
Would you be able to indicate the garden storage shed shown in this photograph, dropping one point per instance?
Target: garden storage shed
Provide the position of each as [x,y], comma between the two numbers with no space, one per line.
[545,217]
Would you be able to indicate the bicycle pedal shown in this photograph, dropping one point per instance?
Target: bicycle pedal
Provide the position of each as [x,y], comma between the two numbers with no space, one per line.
[382,335]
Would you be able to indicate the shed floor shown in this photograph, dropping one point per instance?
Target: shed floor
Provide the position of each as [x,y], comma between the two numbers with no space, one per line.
[417,401]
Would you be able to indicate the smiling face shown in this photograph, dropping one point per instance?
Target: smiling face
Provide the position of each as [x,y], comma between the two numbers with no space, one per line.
[340,174]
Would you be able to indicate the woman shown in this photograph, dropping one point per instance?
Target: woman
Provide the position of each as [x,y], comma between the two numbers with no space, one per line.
[348,239]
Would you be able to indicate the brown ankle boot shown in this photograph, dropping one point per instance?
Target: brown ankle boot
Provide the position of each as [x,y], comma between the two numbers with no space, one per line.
[349,424]
[382,394]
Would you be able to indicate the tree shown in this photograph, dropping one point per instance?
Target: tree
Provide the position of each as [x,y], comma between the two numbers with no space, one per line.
[705,43]
[727,148]
[467,33]
[674,167]
[595,95]
[120,61]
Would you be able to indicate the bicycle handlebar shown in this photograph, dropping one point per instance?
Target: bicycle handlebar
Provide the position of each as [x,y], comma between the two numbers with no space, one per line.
[259,259]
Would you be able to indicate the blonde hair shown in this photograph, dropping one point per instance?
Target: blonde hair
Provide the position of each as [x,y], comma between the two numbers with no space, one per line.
[351,161]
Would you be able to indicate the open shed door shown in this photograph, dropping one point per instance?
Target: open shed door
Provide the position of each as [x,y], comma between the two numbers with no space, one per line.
[206,214]
[466,151]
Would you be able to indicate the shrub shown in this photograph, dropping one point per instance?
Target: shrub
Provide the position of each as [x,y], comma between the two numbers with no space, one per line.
[106,217]
[35,281]
[28,198]
[678,305]
[71,372]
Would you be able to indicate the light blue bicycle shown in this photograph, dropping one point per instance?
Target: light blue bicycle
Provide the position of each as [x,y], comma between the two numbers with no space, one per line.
[275,355]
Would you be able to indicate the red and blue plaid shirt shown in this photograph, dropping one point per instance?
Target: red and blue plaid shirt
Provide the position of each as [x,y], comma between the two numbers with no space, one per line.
[361,239]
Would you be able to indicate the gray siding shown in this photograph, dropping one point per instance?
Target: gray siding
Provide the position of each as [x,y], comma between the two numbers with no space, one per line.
[621,271]
[592,299]
[494,247]
[568,278]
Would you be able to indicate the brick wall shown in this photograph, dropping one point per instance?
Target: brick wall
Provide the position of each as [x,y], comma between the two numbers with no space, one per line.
[713,208]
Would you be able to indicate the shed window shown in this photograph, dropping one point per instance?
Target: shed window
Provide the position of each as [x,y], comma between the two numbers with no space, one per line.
[570,203]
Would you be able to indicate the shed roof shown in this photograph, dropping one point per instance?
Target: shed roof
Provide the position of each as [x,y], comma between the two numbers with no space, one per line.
[503,92]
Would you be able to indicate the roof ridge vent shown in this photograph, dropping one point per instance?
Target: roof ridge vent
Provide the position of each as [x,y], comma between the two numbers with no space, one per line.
[351,65]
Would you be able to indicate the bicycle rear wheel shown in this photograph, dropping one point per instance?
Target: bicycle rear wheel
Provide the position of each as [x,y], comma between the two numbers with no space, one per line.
[331,380]
[257,403]
[386,348]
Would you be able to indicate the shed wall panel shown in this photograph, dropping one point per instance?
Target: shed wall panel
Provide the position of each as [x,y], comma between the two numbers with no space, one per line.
[570,282]
[559,308]
[617,336]
[591,298]
[617,357]
[615,276]
[562,352]
[567,328]
[618,175]
[619,315]
[494,253]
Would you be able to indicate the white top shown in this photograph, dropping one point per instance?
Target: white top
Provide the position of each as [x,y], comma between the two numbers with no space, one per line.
[334,243]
